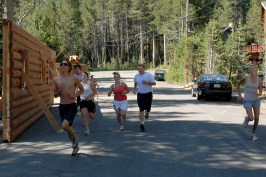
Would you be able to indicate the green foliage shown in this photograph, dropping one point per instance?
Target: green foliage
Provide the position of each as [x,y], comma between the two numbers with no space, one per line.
[252,26]
[176,70]
[174,75]
[202,12]
[107,33]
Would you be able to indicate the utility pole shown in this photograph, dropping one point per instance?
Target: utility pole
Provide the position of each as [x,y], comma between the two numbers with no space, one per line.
[186,50]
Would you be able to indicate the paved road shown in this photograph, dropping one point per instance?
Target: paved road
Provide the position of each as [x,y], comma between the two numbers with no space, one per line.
[183,138]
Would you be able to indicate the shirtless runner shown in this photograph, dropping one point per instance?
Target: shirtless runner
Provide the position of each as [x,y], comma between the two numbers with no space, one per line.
[64,87]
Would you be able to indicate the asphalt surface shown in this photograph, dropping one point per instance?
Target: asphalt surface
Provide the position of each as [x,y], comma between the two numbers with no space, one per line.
[178,142]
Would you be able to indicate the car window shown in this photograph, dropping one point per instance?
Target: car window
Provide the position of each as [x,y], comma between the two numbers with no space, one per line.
[159,71]
[214,77]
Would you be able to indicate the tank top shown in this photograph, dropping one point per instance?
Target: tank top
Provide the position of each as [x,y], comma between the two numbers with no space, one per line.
[250,89]
[118,92]
[87,91]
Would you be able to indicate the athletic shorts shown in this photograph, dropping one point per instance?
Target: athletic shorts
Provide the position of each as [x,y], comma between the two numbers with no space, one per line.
[89,104]
[144,101]
[120,105]
[251,103]
[68,112]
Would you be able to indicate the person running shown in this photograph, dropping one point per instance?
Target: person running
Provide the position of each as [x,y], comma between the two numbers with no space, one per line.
[144,82]
[87,104]
[120,103]
[94,81]
[253,84]
[65,87]
[78,74]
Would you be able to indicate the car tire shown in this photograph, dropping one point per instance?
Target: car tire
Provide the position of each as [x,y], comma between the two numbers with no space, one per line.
[199,97]
[192,93]
[228,98]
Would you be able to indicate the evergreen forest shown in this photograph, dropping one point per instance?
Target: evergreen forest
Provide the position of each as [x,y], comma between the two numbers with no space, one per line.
[186,37]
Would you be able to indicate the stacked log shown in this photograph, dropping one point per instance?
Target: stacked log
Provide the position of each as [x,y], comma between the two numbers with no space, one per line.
[26,55]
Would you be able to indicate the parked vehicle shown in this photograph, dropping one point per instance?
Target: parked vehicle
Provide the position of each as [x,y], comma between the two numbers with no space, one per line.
[159,74]
[211,85]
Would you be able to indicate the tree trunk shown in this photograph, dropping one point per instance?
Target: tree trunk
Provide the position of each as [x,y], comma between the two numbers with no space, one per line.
[118,40]
[127,42]
[154,48]
[122,42]
[141,42]
[103,48]
[95,51]
[113,42]
[71,43]
[164,49]
[8,10]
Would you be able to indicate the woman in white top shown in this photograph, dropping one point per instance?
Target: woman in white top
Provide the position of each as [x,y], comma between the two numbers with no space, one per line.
[87,104]
[78,74]
[251,100]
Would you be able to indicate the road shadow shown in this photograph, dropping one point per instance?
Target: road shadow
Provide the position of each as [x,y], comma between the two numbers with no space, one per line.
[173,146]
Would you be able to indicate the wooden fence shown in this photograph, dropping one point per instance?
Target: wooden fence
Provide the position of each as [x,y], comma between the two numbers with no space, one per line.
[28,72]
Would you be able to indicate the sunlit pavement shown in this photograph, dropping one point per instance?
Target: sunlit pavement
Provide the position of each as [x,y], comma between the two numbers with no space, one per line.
[178,142]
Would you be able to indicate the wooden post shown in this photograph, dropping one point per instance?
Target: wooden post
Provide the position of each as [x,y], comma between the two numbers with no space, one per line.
[46,64]
[6,81]
[38,98]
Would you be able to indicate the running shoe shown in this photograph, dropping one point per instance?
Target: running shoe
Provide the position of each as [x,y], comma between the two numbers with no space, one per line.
[121,127]
[146,115]
[87,132]
[75,142]
[142,127]
[246,121]
[254,137]
[75,151]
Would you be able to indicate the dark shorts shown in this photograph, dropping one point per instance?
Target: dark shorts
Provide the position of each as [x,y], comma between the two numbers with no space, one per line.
[78,100]
[90,105]
[144,101]
[68,112]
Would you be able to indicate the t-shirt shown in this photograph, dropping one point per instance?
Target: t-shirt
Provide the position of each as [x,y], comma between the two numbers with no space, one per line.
[144,88]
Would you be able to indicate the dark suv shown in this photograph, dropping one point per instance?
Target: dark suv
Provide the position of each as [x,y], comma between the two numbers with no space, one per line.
[159,74]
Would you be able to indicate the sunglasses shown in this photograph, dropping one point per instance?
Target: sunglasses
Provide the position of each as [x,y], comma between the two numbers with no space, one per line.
[63,64]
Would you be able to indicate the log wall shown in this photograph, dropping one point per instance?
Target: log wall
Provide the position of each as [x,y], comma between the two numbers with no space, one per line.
[27,67]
